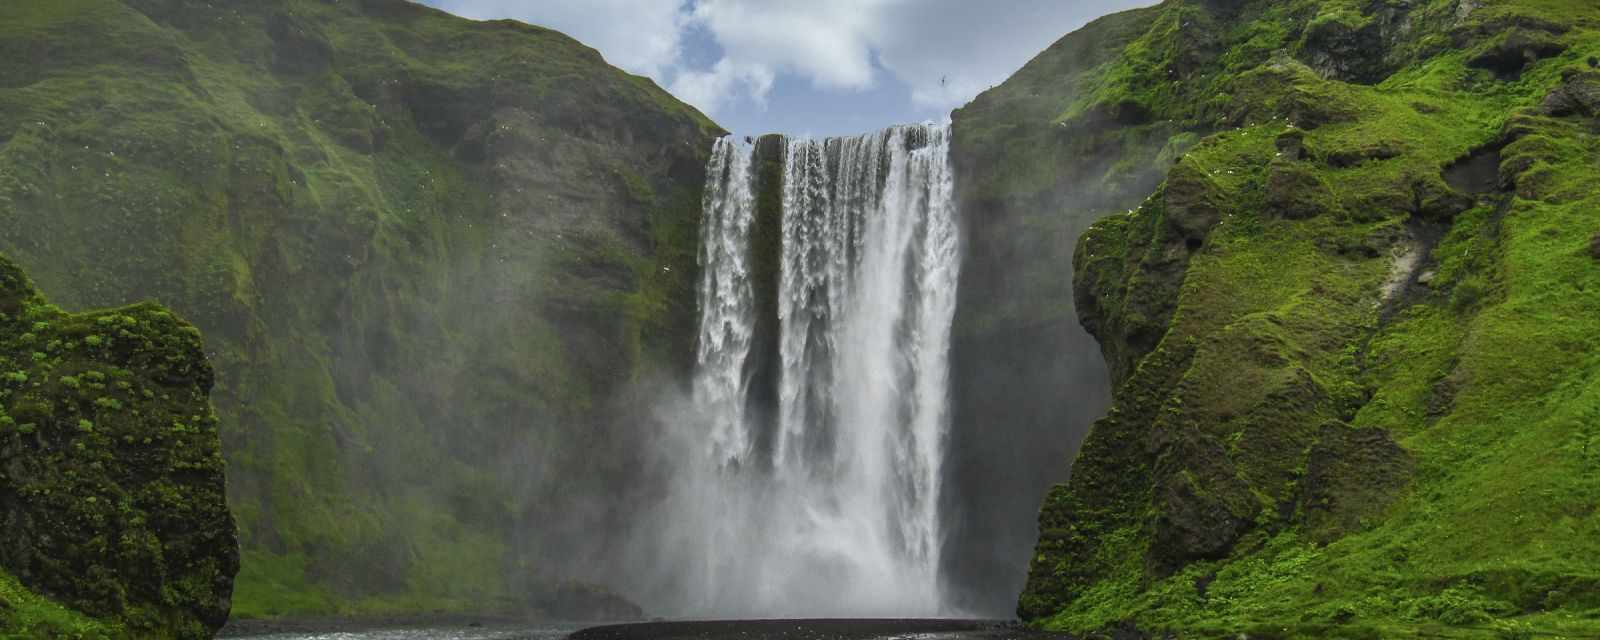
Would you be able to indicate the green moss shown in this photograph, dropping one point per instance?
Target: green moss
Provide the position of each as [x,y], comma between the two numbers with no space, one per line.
[414,243]
[25,614]
[1311,439]
[112,514]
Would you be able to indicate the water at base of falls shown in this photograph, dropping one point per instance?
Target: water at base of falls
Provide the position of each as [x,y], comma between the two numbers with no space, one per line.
[827,503]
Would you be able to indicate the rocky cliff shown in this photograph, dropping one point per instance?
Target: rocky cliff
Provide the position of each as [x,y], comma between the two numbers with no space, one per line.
[1351,333]
[1027,380]
[113,520]
[433,259]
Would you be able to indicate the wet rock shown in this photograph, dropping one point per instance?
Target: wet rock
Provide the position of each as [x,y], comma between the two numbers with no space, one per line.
[1479,172]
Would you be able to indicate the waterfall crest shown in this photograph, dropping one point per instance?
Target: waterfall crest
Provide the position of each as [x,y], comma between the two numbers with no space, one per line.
[831,506]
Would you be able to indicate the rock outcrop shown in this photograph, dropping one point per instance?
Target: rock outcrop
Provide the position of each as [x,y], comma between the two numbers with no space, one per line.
[1346,332]
[112,498]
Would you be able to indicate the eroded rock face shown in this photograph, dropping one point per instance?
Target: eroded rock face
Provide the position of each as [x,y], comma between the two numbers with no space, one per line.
[1511,53]
[1194,202]
[1357,49]
[1577,95]
[1201,506]
[112,496]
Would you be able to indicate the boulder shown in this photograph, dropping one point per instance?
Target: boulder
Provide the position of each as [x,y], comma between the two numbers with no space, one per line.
[1577,95]
[1194,201]
[112,498]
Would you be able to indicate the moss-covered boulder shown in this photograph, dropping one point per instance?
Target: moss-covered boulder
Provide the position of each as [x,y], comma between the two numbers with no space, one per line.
[112,492]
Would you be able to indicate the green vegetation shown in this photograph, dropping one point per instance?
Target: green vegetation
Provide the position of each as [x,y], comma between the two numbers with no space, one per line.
[110,508]
[1353,334]
[430,257]
[25,614]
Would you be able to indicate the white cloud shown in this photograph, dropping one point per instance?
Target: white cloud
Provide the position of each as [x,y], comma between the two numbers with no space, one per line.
[826,41]
[725,81]
[946,51]
[641,36]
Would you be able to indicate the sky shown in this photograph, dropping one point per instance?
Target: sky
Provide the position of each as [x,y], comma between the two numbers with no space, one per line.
[811,67]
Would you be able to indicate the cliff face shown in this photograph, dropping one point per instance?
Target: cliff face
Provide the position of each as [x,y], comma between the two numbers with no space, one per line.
[1027,380]
[1352,334]
[432,258]
[113,520]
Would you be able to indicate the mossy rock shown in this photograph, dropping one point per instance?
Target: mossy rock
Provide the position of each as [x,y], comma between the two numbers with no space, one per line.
[1362,405]
[112,501]
[1508,55]
[1297,192]
[1352,477]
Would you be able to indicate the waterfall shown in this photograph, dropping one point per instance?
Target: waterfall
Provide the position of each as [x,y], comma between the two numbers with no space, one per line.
[831,506]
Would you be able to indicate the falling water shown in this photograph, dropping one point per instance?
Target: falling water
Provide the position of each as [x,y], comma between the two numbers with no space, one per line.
[831,507]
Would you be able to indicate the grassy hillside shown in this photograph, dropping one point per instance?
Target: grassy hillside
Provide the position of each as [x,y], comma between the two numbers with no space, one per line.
[429,255]
[113,521]
[1353,334]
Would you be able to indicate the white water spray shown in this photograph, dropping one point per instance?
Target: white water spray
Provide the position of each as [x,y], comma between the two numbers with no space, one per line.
[832,508]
